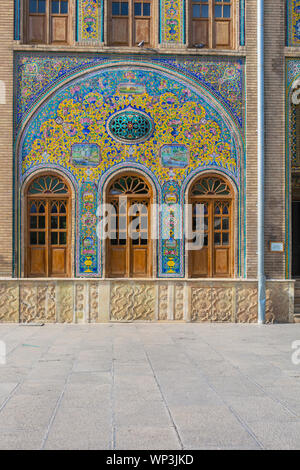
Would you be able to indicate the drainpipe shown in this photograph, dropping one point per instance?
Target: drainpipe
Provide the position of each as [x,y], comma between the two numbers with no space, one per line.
[260,164]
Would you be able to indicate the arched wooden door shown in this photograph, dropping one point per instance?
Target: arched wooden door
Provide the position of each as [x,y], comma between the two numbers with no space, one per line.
[128,249]
[215,258]
[48,227]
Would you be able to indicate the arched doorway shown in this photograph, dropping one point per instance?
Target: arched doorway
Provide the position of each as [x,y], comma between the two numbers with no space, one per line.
[47,239]
[215,257]
[129,248]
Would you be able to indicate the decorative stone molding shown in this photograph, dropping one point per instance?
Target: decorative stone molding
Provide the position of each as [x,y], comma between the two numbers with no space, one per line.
[91,301]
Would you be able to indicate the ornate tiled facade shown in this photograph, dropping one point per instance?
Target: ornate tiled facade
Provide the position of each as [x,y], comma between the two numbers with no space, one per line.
[65,106]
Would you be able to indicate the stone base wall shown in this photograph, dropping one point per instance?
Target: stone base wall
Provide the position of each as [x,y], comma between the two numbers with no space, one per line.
[92,301]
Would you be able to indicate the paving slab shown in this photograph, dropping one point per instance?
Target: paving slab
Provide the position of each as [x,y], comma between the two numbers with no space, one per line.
[150,386]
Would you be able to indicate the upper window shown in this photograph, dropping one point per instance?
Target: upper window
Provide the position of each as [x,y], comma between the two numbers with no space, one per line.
[131,22]
[47,21]
[211,23]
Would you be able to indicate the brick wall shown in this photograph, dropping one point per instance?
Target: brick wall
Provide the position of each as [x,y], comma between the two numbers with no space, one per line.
[6,129]
[275,135]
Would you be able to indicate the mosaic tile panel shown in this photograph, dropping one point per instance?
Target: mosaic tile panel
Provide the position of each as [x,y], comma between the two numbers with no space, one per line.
[172,21]
[38,74]
[90,21]
[293,19]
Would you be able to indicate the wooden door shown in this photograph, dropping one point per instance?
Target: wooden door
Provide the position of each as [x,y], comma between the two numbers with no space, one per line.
[48,228]
[58,237]
[139,256]
[128,248]
[215,257]
[221,239]
[37,253]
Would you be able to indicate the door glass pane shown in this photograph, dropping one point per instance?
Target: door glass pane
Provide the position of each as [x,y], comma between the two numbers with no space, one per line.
[63,208]
[204,11]
[137,9]
[54,209]
[33,221]
[124,9]
[226,11]
[33,209]
[217,238]
[225,240]
[54,221]
[115,8]
[225,223]
[63,238]
[196,11]
[55,6]
[41,238]
[218,11]
[64,7]
[32,6]
[33,238]
[63,222]
[54,238]
[217,223]
[147,9]
[42,6]
[41,221]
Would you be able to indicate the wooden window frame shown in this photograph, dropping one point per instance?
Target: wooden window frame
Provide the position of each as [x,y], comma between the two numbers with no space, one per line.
[131,41]
[48,18]
[211,20]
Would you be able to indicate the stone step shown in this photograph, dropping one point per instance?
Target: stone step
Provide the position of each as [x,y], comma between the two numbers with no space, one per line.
[297,317]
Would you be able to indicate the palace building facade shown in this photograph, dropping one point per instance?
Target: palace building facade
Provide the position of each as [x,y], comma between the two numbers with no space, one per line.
[139,112]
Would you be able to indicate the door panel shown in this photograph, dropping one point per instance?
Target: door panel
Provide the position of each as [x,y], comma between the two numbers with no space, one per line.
[222,33]
[59,29]
[58,262]
[37,29]
[221,262]
[200,32]
[199,263]
[120,31]
[142,31]
[139,262]
[37,262]
[117,262]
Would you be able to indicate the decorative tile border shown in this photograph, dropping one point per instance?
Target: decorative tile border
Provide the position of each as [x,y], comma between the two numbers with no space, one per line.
[293,22]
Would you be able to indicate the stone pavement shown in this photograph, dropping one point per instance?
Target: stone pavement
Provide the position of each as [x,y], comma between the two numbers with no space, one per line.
[150,386]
